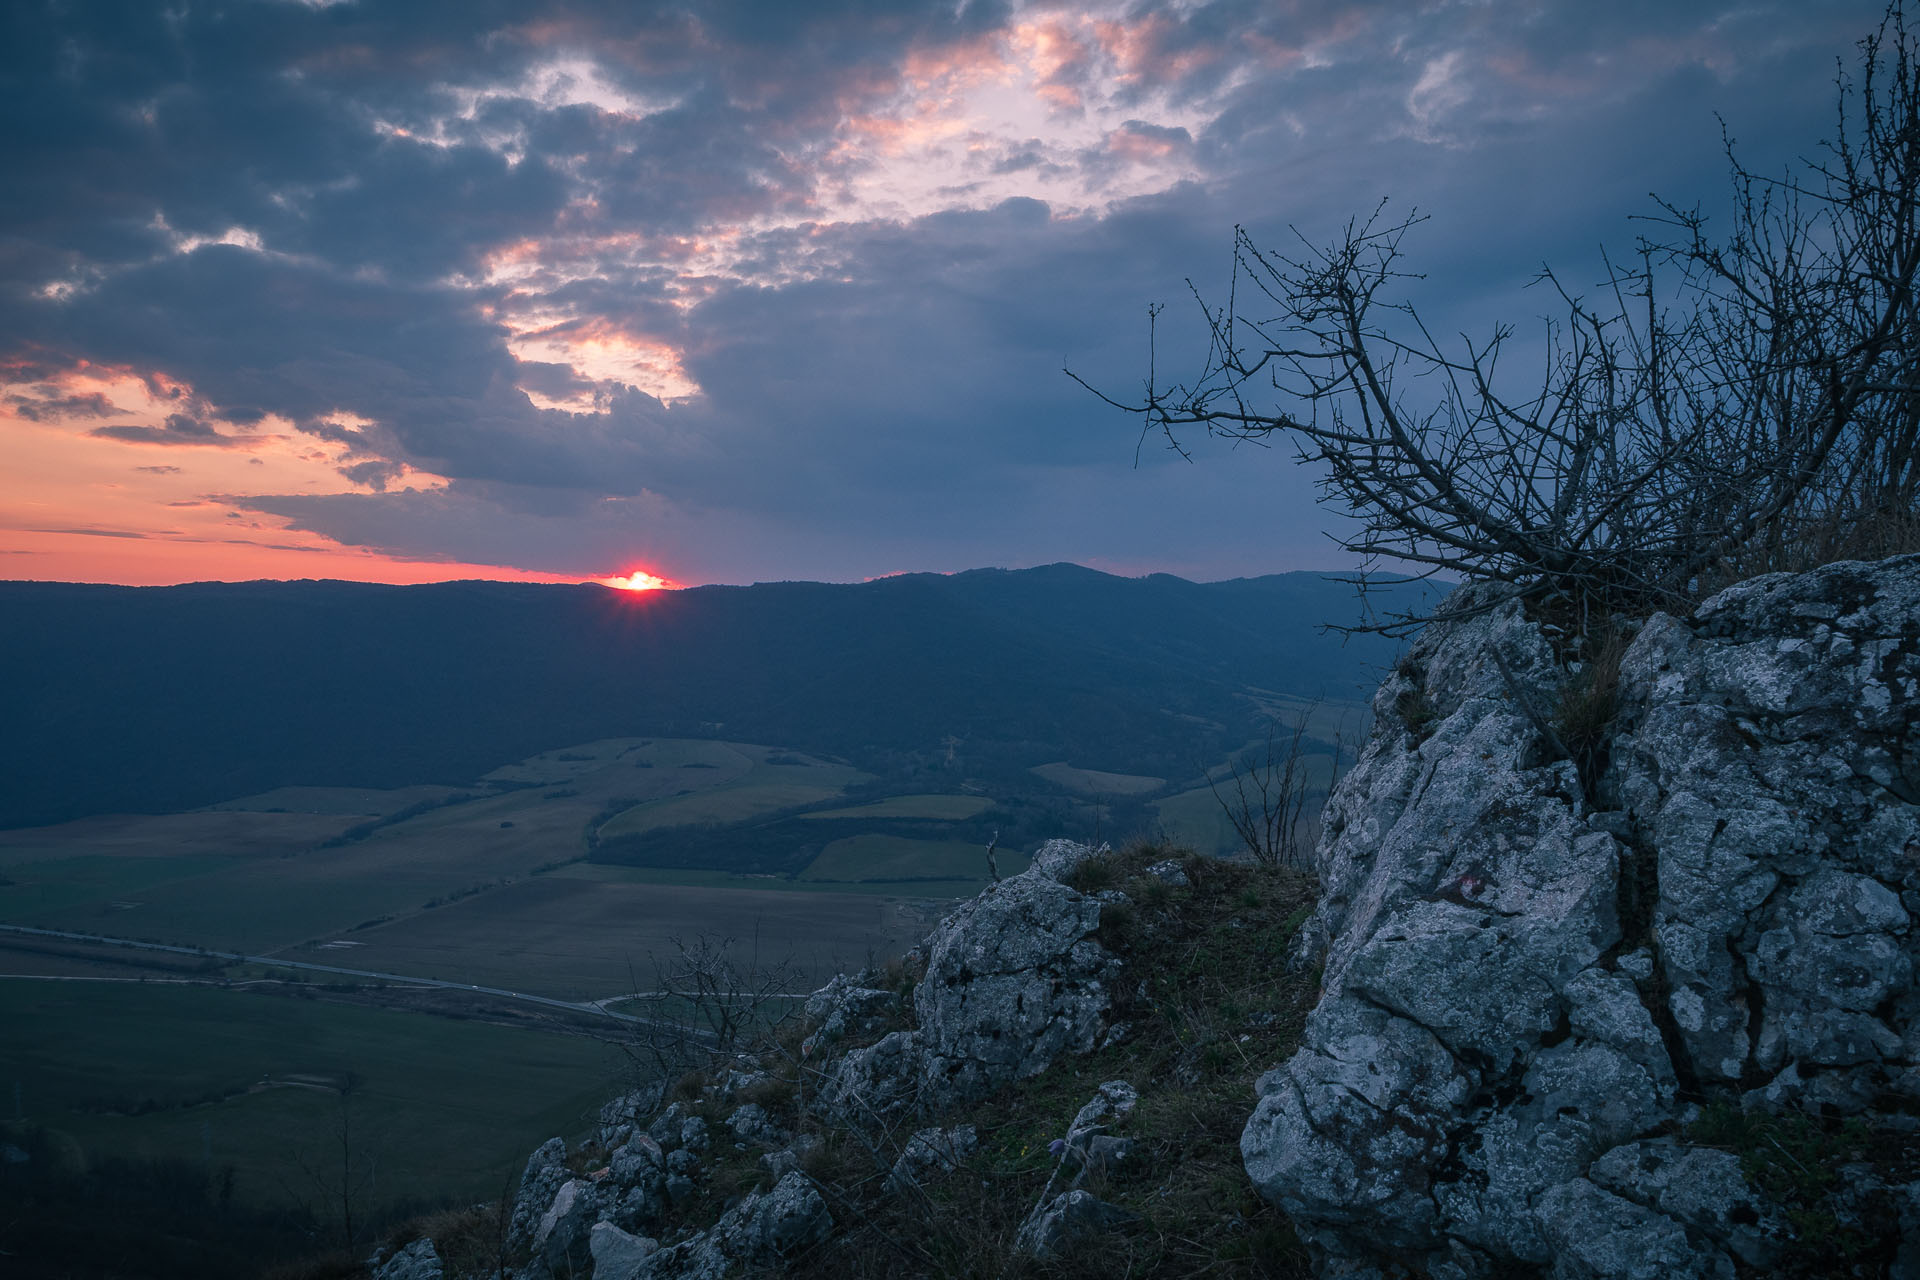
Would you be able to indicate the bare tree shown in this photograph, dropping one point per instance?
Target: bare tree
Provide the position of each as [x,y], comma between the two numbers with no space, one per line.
[709,1001]
[1719,401]
[1268,805]
[337,1176]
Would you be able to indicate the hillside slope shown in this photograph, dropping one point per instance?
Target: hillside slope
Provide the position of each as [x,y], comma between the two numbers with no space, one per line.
[165,698]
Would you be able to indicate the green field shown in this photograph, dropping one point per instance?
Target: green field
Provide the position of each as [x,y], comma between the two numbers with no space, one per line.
[585,939]
[1195,819]
[613,873]
[755,791]
[1091,782]
[898,858]
[481,884]
[272,871]
[440,1108]
[936,808]
[353,801]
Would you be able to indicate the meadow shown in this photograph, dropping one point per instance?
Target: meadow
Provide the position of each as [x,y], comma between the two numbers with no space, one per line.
[495,883]
[437,1108]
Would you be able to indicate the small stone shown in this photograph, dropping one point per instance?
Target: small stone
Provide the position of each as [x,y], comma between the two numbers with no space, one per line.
[1171,873]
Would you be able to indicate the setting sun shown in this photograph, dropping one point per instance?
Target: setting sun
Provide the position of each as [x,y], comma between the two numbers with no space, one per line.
[638,580]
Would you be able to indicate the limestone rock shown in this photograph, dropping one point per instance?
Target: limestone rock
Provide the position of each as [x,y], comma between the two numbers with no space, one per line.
[618,1255]
[931,1153]
[760,1231]
[875,1083]
[1522,965]
[1170,873]
[418,1261]
[1700,1187]
[1067,1220]
[751,1123]
[1058,859]
[844,1008]
[562,1240]
[1015,980]
[545,1171]
[1599,1236]
[622,1116]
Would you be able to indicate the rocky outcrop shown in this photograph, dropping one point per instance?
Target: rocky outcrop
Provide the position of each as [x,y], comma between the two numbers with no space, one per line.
[1010,983]
[1015,980]
[1524,968]
[762,1230]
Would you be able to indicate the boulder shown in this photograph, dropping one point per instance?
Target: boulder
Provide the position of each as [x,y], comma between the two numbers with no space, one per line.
[618,1255]
[622,1116]
[1058,859]
[562,1240]
[873,1084]
[1701,1188]
[750,1122]
[1015,980]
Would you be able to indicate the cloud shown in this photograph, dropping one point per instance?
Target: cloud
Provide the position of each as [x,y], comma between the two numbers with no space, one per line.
[750,283]
[179,429]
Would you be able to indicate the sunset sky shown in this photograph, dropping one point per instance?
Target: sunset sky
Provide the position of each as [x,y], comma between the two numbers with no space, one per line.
[741,292]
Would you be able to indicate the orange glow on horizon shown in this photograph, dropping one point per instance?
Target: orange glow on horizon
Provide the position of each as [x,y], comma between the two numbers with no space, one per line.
[638,580]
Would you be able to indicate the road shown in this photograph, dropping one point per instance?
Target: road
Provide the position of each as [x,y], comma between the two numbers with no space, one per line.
[594,1007]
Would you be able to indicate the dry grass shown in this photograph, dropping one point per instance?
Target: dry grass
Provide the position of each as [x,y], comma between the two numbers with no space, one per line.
[1211,1005]
[1813,543]
[1588,701]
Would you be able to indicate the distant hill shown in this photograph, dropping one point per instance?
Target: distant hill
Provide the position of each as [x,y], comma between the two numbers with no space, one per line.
[154,699]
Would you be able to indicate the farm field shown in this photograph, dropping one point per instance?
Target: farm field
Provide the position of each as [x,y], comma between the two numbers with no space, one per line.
[581,939]
[1092,782]
[880,858]
[937,891]
[484,884]
[258,879]
[441,1108]
[747,788]
[359,801]
[938,808]
[1195,818]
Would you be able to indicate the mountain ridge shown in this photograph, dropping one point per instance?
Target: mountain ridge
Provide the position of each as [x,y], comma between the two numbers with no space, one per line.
[162,698]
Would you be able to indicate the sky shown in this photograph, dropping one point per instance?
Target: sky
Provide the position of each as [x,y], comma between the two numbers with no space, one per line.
[737,292]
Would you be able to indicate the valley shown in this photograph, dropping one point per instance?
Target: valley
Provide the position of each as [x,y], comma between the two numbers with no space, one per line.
[439,889]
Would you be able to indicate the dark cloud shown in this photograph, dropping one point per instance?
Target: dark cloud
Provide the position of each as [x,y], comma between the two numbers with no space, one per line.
[57,408]
[489,241]
[179,429]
